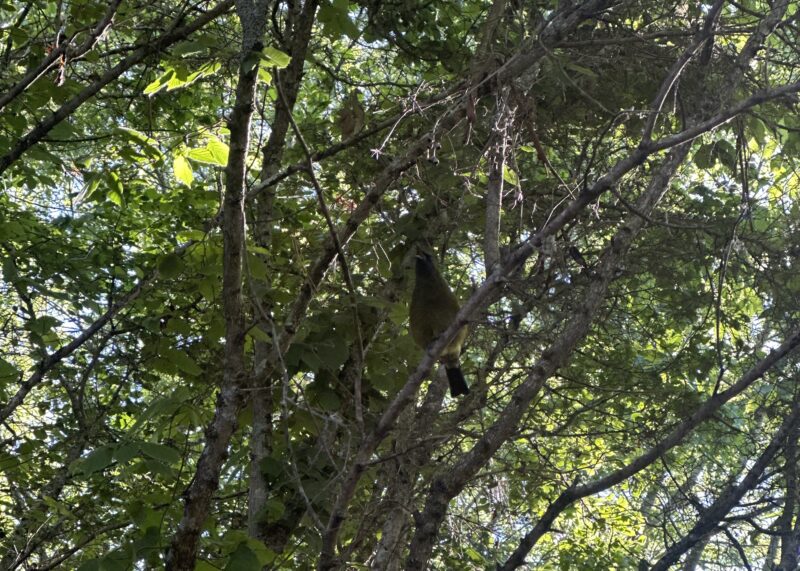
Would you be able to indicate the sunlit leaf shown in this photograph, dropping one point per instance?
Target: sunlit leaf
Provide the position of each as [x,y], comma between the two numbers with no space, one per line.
[182,170]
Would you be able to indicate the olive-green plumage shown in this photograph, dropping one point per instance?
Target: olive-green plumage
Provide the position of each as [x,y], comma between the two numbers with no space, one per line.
[433,307]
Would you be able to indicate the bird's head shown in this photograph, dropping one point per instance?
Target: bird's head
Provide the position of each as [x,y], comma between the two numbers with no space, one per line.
[425,265]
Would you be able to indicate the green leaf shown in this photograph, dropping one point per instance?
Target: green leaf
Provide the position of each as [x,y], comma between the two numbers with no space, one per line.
[264,74]
[135,135]
[160,82]
[115,189]
[702,157]
[215,152]
[42,325]
[250,62]
[335,19]
[271,466]
[274,509]
[91,565]
[510,176]
[92,183]
[265,554]
[329,400]
[170,265]
[474,555]
[118,560]
[182,170]
[125,453]
[276,57]
[182,360]
[201,155]
[96,461]
[8,372]
[259,334]
[114,197]
[186,235]
[8,462]
[257,268]
[243,559]
[160,452]
[218,150]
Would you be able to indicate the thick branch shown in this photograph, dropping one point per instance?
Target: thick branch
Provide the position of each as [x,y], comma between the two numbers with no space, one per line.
[703,413]
[448,485]
[182,552]
[728,499]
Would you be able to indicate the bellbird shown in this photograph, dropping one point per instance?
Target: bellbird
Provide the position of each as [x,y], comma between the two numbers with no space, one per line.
[351,115]
[433,307]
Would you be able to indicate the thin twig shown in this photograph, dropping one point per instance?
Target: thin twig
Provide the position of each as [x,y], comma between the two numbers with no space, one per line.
[340,251]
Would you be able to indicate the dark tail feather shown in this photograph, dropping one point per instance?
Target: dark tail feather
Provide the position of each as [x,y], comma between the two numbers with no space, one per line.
[458,385]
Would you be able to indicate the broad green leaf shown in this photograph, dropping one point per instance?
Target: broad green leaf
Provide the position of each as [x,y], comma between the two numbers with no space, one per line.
[97,460]
[264,74]
[91,565]
[159,83]
[8,372]
[202,155]
[329,400]
[170,265]
[92,183]
[42,325]
[182,170]
[256,266]
[510,176]
[243,559]
[259,334]
[187,235]
[115,197]
[181,360]
[274,509]
[160,452]
[124,453]
[218,150]
[278,58]
[265,554]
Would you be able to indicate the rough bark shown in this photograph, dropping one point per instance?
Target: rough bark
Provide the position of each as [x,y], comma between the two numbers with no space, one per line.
[788,530]
[183,550]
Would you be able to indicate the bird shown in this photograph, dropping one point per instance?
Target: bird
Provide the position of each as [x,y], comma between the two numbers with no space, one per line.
[351,115]
[433,308]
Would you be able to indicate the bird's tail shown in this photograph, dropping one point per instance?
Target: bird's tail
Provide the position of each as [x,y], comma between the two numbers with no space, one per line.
[458,385]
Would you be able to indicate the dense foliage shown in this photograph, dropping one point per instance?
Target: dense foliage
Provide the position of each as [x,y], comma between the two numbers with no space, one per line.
[209,213]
